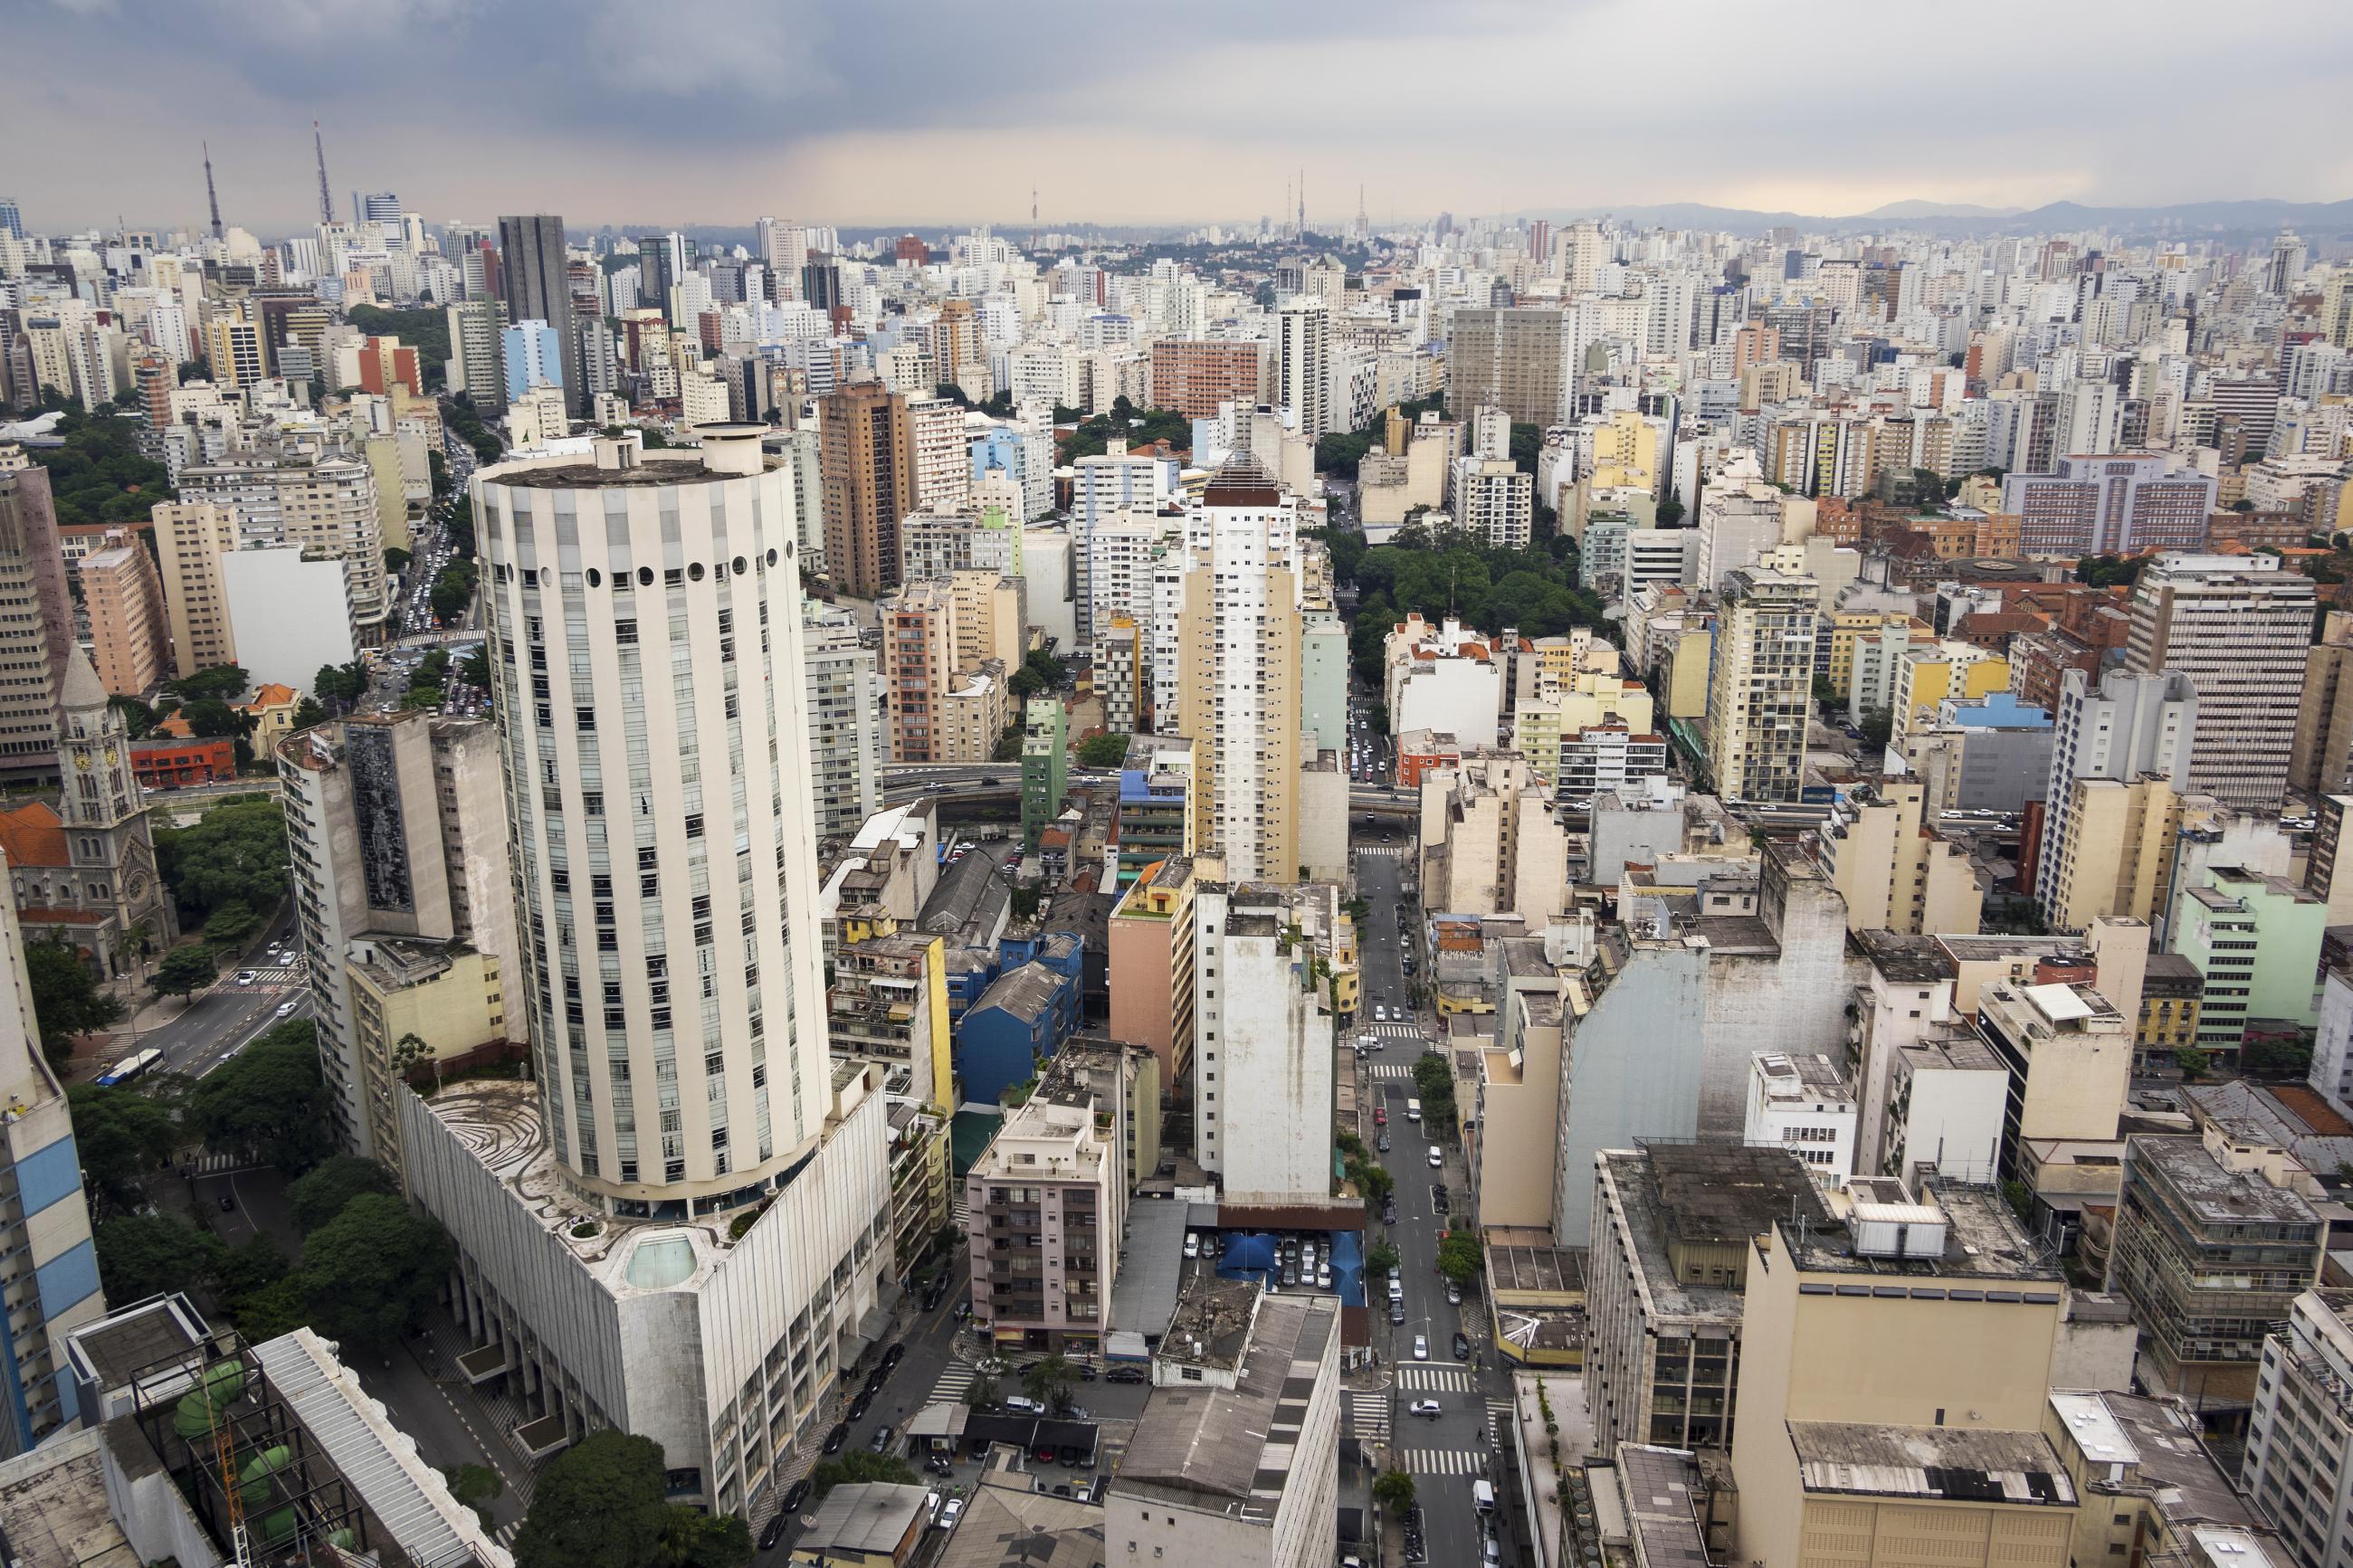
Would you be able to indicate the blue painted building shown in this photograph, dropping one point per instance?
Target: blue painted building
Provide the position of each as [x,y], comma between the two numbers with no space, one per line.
[1017,1026]
[534,357]
[44,1231]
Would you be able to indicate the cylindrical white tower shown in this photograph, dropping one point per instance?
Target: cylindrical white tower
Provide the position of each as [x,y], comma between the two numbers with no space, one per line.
[645,639]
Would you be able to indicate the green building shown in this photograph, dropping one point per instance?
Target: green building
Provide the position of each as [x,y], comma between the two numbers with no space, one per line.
[1045,766]
[2256,940]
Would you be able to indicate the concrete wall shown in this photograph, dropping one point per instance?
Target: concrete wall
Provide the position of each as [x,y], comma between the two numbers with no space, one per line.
[289,615]
[1631,1067]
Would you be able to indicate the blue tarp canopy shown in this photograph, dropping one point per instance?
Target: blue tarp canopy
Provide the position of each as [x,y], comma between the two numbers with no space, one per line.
[1249,1256]
[1348,1269]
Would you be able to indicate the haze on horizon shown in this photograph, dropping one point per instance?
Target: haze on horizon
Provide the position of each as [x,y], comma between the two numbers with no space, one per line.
[928,112]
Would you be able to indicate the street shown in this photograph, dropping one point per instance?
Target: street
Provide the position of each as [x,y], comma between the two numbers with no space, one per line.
[1447,1452]
[219,1022]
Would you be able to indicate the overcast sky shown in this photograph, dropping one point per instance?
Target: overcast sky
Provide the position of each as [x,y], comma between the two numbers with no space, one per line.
[934,111]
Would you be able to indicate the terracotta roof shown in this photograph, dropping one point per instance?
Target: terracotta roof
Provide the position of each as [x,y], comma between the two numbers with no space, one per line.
[273,695]
[32,834]
[173,724]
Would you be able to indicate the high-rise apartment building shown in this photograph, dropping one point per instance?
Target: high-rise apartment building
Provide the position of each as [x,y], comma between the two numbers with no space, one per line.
[1238,696]
[1514,359]
[328,508]
[2119,503]
[2299,1464]
[867,460]
[529,356]
[2239,628]
[648,694]
[1494,502]
[2131,728]
[1303,364]
[843,678]
[1761,688]
[1893,873]
[1192,376]
[125,601]
[46,1225]
[1045,765]
[533,267]
[477,366]
[235,352]
[400,843]
[191,536]
[36,621]
[1263,1077]
[942,462]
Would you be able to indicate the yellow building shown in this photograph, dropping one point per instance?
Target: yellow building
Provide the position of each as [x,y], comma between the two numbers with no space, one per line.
[272,710]
[1625,453]
[1846,626]
[889,1004]
[417,1006]
[2113,852]
[1684,680]
[1894,874]
[1894,1371]
[1937,672]
[2152,1491]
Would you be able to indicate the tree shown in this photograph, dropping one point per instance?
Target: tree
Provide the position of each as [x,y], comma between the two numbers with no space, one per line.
[1670,513]
[235,852]
[308,713]
[184,971]
[1394,1491]
[137,717]
[121,1134]
[693,1539]
[849,1469]
[141,1256]
[210,719]
[371,1273]
[2192,1061]
[598,1504]
[231,923]
[475,1486]
[1373,1181]
[410,1050]
[1382,1258]
[67,1002]
[276,1309]
[1107,749]
[1826,693]
[436,471]
[252,1266]
[219,681]
[1050,1380]
[1878,724]
[396,559]
[267,1102]
[321,1194]
[2263,1058]
[341,682]
[982,1392]
[474,669]
[420,697]
[1458,1256]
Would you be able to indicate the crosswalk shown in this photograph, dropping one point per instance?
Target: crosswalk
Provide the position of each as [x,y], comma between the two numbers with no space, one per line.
[1388,1069]
[1501,1413]
[1430,1379]
[213,1163]
[1404,851]
[1368,1415]
[1441,1462]
[276,975]
[955,1378]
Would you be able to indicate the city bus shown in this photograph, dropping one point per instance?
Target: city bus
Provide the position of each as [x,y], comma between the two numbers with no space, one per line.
[131,1066]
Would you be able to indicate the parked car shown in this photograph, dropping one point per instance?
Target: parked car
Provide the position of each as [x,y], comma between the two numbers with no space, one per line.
[1192,1243]
[1043,1453]
[1420,1352]
[1383,1144]
[862,1404]
[1127,1375]
[837,1437]
[795,1498]
[1022,1404]
[1454,1294]
[881,1441]
[1437,1156]
[1461,1345]
[893,1356]
[1397,1312]
[951,1510]
[774,1531]
[1070,1456]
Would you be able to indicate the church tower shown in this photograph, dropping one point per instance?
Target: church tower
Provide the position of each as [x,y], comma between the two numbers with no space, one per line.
[103,810]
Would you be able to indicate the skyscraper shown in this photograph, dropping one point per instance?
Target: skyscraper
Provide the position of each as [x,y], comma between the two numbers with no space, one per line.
[867,458]
[532,268]
[1762,686]
[36,621]
[1302,363]
[1239,692]
[2241,629]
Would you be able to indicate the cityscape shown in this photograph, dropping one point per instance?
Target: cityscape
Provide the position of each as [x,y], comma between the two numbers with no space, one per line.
[1439,857]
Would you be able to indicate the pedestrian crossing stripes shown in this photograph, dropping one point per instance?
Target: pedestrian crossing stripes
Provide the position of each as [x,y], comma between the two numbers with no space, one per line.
[1453,1377]
[275,975]
[506,1533]
[1368,1415]
[210,1164]
[955,1378]
[1390,1069]
[1501,1413]
[1440,1462]
[1391,849]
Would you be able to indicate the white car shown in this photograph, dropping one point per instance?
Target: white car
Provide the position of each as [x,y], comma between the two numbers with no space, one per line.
[1436,1157]
[248,976]
[1192,1243]
[286,1009]
[1423,1407]
[1422,1347]
[1380,1012]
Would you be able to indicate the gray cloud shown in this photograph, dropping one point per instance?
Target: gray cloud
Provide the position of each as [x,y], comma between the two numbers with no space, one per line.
[902,110]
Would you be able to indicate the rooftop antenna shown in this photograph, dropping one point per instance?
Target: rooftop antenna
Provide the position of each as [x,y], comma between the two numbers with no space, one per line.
[1302,201]
[326,202]
[1033,218]
[211,194]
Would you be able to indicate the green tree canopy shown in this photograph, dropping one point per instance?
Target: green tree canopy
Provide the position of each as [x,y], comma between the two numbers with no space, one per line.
[1394,1491]
[341,682]
[371,1273]
[231,923]
[598,1504]
[1458,1256]
[121,1134]
[426,330]
[474,669]
[99,475]
[268,1102]
[1050,1380]
[396,559]
[1107,749]
[67,1002]
[235,853]
[844,1469]
[141,1256]
[137,717]
[321,1194]
[219,681]
[184,971]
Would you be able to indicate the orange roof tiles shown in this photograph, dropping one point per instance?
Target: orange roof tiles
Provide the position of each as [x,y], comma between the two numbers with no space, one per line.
[33,835]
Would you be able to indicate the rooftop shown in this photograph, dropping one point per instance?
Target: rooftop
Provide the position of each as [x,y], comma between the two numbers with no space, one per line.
[2214,1193]
[654,468]
[1663,1489]
[1525,1259]
[1982,1238]
[865,1516]
[2161,1448]
[1230,1450]
[1956,1464]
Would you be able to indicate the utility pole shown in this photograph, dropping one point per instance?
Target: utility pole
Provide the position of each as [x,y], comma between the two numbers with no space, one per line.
[211,194]
[326,202]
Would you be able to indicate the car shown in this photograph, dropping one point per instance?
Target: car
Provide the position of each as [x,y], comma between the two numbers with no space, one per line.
[1380,1115]
[1086,1373]
[1323,1276]
[940,1465]
[837,1437]
[1437,1156]
[1420,1352]
[774,1531]
[1461,1345]
[1388,1214]
[1397,1288]
[893,1356]
[1070,1456]
[1043,1453]
[1192,1243]
[248,976]
[950,1511]
[1127,1375]
[1291,1271]
[1384,1146]
[862,1404]
[979,1450]
[286,1009]
[1453,1293]
[1086,1493]
[1063,1489]
[795,1498]
[1022,1404]
[1428,1408]
[881,1441]
[1397,1312]
[1380,1012]
[227,1202]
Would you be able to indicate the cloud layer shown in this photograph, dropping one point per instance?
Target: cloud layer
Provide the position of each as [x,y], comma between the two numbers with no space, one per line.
[933,110]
